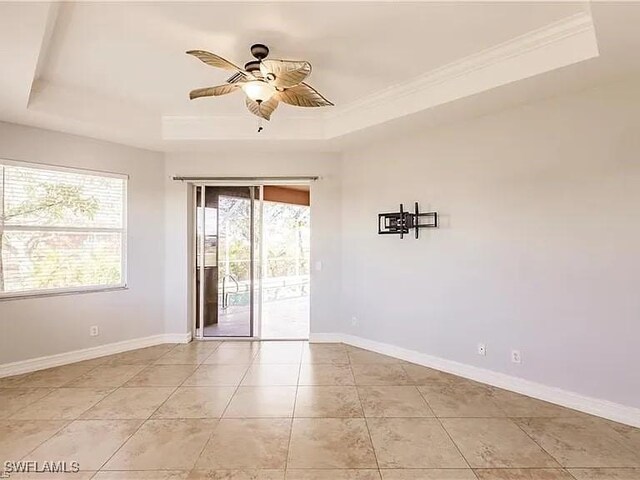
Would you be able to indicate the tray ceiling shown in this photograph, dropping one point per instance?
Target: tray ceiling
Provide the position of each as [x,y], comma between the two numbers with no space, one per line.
[118,71]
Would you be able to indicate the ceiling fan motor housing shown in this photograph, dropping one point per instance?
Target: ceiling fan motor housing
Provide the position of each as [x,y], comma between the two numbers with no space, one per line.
[252,66]
[259,51]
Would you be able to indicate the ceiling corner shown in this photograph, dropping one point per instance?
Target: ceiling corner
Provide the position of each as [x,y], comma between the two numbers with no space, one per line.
[48,32]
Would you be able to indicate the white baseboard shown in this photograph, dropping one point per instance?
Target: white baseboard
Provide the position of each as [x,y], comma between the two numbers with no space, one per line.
[326,338]
[593,406]
[40,363]
[177,337]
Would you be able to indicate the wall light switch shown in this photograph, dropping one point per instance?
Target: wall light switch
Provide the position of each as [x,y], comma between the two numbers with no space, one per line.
[482,349]
[318,266]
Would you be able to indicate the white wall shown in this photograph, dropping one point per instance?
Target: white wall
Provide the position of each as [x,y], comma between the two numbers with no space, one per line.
[325,226]
[35,327]
[538,249]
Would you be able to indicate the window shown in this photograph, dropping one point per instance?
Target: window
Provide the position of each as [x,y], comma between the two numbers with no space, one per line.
[61,230]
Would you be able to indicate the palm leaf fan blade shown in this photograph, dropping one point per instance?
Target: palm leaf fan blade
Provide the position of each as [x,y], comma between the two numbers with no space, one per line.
[214,60]
[303,95]
[213,91]
[285,73]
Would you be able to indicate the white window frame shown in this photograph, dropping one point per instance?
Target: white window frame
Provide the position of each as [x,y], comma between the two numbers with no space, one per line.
[123,231]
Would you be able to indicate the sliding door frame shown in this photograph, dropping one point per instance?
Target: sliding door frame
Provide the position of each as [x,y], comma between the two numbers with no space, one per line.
[258,267]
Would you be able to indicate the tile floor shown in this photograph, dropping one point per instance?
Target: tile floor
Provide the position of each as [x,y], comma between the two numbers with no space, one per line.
[293,410]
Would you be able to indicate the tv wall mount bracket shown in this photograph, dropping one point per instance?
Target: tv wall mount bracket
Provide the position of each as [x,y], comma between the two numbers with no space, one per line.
[402,222]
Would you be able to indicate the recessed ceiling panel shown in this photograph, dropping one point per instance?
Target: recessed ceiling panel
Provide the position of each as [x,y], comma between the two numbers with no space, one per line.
[135,52]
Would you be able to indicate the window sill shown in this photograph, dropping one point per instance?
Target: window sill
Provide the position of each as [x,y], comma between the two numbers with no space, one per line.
[58,293]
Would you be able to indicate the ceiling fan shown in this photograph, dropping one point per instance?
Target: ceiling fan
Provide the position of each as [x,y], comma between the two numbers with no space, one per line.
[265,82]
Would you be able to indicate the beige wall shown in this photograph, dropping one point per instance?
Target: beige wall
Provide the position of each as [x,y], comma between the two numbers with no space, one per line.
[538,248]
[35,327]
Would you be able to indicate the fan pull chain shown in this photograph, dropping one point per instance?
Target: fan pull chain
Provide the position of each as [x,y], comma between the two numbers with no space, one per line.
[260,127]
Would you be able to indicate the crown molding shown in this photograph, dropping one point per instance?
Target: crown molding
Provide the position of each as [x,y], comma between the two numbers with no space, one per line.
[241,128]
[562,43]
[540,38]
[568,41]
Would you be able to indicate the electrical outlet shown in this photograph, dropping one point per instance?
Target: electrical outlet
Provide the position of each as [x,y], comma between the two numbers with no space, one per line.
[482,349]
[354,321]
[93,331]
[515,356]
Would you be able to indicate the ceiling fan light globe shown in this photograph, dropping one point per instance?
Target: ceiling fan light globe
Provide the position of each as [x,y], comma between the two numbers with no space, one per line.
[258,91]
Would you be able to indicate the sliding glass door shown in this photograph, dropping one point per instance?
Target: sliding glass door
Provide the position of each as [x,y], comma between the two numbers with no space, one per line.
[226,260]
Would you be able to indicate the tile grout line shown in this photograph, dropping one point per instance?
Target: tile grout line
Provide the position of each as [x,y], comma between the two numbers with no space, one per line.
[538,444]
[607,425]
[68,422]
[23,407]
[198,365]
[505,417]
[206,443]
[441,424]
[239,382]
[366,423]
[293,415]
[144,421]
